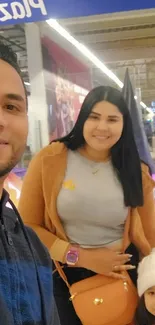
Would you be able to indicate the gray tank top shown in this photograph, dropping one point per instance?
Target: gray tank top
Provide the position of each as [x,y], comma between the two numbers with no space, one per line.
[90,203]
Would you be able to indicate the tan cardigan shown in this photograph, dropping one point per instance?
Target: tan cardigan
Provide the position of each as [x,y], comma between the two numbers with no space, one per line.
[39,195]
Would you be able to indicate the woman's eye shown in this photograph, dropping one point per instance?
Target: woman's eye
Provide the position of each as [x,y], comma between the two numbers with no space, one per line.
[151,293]
[112,120]
[94,117]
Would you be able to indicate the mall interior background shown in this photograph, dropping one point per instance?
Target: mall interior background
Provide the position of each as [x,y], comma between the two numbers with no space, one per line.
[58,77]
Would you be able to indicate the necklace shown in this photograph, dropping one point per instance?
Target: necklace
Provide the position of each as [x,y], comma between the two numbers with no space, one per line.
[96,167]
[93,165]
[94,172]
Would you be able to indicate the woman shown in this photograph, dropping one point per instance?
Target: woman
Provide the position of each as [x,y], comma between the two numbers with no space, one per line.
[78,191]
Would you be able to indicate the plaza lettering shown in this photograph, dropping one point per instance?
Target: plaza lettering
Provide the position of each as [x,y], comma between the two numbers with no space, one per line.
[17,10]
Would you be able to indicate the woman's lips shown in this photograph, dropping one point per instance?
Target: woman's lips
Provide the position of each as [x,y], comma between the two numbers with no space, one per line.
[101,137]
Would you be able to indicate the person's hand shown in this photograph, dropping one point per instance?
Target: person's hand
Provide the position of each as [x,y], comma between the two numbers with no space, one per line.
[105,261]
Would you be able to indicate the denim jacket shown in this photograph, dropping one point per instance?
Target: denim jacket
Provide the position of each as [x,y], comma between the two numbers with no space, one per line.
[26,296]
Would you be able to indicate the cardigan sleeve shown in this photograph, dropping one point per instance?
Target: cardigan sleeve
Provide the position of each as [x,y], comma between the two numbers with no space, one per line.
[147,211]
[32,209]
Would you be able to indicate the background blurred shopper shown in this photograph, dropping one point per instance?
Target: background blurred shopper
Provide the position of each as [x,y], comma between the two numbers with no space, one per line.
[149,132]
[79,190]
[26,296]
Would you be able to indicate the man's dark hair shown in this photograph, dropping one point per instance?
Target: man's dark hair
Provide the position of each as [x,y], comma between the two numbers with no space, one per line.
[9,56]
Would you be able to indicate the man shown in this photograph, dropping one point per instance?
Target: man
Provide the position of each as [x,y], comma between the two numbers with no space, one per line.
[25,267]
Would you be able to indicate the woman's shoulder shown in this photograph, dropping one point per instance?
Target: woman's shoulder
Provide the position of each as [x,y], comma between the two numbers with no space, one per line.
[148,182]
[144,168]
[52,149]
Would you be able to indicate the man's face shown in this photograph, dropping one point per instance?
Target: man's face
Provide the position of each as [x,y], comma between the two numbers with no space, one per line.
[13,118]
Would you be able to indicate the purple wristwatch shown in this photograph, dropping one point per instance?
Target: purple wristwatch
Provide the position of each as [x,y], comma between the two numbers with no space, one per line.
[72,256]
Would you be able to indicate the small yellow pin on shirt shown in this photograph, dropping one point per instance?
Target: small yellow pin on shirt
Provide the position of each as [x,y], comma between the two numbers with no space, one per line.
[69,185]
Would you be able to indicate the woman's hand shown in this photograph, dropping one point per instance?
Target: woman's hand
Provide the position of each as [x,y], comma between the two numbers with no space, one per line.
[104,261]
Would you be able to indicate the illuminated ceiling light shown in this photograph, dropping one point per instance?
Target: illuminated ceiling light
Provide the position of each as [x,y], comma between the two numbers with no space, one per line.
[84,50]
[149,110]
[87,53]
[143,105]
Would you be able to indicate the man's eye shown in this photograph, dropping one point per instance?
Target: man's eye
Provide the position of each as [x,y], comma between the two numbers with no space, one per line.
[11,107]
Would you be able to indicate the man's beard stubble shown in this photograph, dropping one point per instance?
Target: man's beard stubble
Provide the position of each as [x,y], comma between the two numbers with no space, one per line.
[7,168]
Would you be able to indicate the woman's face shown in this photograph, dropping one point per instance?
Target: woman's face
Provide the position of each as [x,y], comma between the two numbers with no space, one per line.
[103,127]
[149,298]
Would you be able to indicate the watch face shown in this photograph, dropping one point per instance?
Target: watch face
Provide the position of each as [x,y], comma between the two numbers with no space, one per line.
[72,257]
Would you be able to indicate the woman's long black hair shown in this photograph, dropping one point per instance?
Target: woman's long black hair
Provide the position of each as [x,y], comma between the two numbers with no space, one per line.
[124,154]
[143,317]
